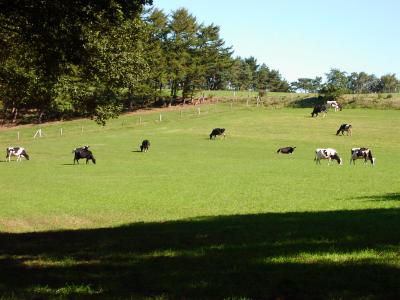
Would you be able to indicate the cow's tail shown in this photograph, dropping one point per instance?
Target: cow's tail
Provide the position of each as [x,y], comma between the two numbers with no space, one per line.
[279,150]
[337,132]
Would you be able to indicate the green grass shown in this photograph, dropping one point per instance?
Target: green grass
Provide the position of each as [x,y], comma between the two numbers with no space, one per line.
[195,218]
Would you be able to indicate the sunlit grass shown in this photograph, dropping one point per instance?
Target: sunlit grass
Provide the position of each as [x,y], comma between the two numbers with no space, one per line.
[194,218]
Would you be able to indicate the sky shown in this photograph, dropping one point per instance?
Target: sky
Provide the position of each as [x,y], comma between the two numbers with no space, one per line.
[306,38]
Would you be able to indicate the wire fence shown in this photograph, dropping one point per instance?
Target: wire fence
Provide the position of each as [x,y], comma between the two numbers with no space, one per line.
[139,120]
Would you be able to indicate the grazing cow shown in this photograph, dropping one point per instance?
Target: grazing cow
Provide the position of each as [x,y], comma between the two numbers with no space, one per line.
[343,128]
[83,152]
[359,153]
[334,104]
[19,152]
[217,131]
[328,154]
[286,150]
[319,109]
[144,147]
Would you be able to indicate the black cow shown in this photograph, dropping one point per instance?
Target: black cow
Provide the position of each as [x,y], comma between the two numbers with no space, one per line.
[144,147]
[319,108]
[83,152]
[343,128]
[217,131]
[286,150]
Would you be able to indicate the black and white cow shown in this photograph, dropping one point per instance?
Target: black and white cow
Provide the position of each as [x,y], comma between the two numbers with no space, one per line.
[343,128]
[319,108]
[359,153]
[286,150]
[19,152]
[328,154]
[144,147]
[83,152]
[217,131]
[334,104]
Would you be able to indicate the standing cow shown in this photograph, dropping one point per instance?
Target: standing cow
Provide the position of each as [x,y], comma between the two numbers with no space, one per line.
[334,104]
[19,152]
[362,153]
[217,131]
[328,154]
[83,152]
[144,147]
[343,128]
[319,108]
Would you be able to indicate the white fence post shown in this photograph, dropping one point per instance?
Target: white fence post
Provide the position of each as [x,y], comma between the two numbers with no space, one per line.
[38,132]
[18,135]
[61,131]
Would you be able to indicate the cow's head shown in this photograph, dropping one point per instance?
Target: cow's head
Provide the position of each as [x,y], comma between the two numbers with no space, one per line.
[337,158]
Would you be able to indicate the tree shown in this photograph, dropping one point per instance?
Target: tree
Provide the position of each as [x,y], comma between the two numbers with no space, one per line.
[336,84]
[389,83]
[307,85]
[62,38]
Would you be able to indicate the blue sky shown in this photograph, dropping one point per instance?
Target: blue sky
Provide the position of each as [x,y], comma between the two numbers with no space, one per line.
[306,38]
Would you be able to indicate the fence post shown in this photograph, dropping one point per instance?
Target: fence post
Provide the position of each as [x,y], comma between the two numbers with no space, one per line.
[160,118]
[61,131]
[18,135]
[82,129]
[140,120]
[198,109]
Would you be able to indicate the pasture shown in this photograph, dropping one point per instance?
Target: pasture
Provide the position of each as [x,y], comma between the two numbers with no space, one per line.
[193,218]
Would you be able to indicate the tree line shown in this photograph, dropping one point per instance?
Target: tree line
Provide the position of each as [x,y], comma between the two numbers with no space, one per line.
[339,82]
[97,58]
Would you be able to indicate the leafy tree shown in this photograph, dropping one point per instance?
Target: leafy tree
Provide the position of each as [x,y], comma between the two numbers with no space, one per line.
[63,38]
[336,84]
[307,85]
[389,83]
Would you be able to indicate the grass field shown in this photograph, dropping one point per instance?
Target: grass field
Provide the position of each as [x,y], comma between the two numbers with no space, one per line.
[195,218]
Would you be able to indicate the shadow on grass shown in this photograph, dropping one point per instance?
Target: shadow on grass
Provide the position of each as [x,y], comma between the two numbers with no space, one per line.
[239,256]
[307,102]
[384,197]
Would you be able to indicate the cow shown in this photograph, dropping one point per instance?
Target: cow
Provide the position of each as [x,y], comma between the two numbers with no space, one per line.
[83,152]
[217,131]
[343,128]
[334,104]
[144,147]
[19,152]
[328,154]
[286,150]
[359,153]
[319,108]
